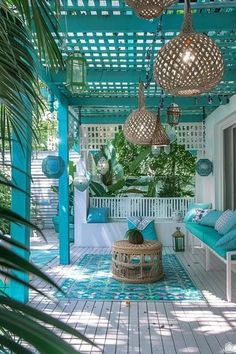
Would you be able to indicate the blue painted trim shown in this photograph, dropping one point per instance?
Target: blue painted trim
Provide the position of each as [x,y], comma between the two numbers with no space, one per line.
[63,131]
[21,170]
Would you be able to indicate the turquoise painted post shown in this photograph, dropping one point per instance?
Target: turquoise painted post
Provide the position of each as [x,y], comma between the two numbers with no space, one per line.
[64,238]
[21,170]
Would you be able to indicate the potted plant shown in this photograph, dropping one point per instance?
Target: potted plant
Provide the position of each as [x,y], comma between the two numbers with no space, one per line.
[134,236]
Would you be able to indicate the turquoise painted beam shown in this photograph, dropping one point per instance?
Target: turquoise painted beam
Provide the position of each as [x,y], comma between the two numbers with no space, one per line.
[21,171]
[128,76]
[64,239]
[203,22]
[128,102]
[121,119]
[120,6]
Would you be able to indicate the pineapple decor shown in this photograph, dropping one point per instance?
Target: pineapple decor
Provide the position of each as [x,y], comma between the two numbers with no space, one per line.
[134,236]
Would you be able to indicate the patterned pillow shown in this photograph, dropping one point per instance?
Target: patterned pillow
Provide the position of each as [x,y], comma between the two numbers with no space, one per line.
[199,214]
[223,220]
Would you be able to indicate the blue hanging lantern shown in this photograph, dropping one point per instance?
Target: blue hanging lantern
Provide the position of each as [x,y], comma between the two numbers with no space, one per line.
[81,182]
[204,167]
[53,166]
[76,73]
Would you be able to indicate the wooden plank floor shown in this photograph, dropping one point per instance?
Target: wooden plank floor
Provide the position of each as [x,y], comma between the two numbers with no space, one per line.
[148,327]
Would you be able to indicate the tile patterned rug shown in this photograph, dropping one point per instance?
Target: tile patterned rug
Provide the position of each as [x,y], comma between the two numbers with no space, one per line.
[91,279]
[42,257]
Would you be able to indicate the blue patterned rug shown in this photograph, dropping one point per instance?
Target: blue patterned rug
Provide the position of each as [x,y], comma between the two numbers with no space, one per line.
[91,279]
[42,257]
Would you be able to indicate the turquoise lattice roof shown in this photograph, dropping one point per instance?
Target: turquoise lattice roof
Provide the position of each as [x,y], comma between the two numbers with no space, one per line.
[115,42]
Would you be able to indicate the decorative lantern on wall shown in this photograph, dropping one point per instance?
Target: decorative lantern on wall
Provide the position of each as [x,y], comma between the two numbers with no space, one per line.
[204,167]
[140,125]
[103,166]
[189,64]
[149,9]
[173,114]
[76,72]
[81,182]
[53,166]
[178,240]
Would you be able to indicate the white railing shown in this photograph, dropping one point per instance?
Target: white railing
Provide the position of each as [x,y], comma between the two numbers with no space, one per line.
[158,208]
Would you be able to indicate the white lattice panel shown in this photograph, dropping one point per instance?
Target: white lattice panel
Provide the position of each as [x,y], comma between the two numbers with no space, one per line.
[93,136]
[190,135]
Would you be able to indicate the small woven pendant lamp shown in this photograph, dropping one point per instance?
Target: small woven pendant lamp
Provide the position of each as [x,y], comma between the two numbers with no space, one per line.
[148,9]
[140,125]
[159,137]
[189,64]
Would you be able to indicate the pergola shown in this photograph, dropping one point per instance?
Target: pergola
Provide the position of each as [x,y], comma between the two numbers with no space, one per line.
[115,42]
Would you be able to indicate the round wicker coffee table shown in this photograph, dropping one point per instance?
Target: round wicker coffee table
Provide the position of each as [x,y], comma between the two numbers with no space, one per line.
[137,263]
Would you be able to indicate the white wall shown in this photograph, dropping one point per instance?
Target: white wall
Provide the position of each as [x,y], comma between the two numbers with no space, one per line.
[211,188]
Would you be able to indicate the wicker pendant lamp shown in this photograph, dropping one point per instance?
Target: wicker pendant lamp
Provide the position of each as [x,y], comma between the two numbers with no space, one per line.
[148,9]
[159,137]
[140,125]
[189,64]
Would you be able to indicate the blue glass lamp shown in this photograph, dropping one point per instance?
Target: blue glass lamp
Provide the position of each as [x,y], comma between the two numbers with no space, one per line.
[204,167]
[53,166]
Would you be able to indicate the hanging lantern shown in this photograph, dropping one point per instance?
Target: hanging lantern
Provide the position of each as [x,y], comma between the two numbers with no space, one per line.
[189,64]
[53,166]
[178,240]
[103,166]
[81,182]
[149,9]
[140,125]
[173,114]
[76,72]
[204,167]
[159,137]
[156,150]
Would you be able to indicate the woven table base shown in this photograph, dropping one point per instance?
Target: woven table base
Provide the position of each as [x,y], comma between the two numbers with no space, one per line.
[137,263]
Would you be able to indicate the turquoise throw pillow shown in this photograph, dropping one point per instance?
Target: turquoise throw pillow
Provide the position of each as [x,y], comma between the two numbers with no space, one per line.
[228,241]
[145,225]
[221,224]
[192,210]
[97,215]
[230,224]
[210,218]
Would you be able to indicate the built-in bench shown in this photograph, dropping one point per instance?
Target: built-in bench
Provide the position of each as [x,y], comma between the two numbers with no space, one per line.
[209,237]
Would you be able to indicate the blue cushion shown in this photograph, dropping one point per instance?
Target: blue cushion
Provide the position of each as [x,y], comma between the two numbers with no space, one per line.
[210,218]
[145,225]
[196,229]
[221,223]
[230,224]
[97,215]
[228,241]
[192,210]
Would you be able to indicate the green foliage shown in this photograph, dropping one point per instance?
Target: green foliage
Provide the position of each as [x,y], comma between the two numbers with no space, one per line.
[172,173]
[134,236]
[5,197]
[175,171]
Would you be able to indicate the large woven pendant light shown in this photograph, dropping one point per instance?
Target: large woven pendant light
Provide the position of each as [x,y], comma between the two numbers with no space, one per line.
[140,125]
[159,137]
[189,64]
[149,8]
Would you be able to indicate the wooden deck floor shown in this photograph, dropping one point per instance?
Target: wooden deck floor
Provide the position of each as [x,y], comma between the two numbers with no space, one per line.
[149,327]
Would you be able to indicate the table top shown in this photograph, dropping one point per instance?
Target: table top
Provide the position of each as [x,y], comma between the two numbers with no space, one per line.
[125,245]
